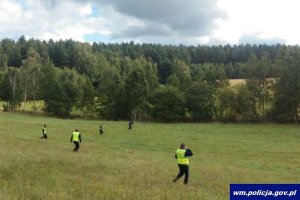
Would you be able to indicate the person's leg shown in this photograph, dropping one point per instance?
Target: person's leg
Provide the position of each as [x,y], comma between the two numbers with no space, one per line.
[75,148]
[186,177]
[46,136]
[180,174]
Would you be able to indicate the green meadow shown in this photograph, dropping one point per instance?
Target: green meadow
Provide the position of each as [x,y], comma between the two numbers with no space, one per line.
[140,164]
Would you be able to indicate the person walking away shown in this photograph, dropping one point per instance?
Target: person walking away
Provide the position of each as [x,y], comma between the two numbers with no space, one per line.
[44,132]
[182,155]
[101,131]
[76,139]
[130,125]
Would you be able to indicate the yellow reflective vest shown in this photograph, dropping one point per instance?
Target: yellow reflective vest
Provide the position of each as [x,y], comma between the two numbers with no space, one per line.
[44,130]
[181,159]
[76,136]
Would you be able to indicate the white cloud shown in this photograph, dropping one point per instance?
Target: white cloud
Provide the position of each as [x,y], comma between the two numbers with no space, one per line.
[86,10]
[44,19]
[159,21]
[10,12]
[34,18]
[263,18]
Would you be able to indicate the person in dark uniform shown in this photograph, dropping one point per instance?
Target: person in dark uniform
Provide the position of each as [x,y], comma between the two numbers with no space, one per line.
[76,139]
[44,132]
[101,131]
[182,155]
[130,123]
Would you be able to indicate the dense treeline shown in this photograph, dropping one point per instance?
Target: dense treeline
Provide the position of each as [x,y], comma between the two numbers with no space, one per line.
[152,81]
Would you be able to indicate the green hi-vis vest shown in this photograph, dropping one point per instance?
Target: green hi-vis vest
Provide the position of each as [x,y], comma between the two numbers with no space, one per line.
[76,136]
[44,130]
[181,159]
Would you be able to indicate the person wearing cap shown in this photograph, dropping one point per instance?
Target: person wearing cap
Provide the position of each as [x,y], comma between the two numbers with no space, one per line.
[182,155]
[76,139]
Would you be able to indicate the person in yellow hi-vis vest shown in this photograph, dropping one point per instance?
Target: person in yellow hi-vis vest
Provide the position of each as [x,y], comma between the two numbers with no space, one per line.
[44,132]
[182,155]
[76,139]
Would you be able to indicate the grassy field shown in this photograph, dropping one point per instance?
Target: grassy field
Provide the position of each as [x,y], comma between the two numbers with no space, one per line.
[140,164]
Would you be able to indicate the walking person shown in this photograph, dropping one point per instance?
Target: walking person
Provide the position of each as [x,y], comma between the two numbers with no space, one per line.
[101,131]
[130,123]
[182,155]
[76,139]
[44,132]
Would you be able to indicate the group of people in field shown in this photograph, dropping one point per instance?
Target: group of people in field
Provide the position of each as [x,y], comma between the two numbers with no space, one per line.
[181,154]
[76,136]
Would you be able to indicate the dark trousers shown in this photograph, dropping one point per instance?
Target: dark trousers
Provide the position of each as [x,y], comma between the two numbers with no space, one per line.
[183,170]
[44,136]
[76,146]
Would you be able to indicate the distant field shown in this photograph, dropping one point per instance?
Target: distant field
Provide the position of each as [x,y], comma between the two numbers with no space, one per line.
[140,164]
[234,82]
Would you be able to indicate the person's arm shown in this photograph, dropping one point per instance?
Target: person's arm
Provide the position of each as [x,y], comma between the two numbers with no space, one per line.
[79,137]
[175,156]
[71,138]
[43,130]
[188,153]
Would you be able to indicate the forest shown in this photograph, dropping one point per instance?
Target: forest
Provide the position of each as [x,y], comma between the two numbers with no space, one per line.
[152,82]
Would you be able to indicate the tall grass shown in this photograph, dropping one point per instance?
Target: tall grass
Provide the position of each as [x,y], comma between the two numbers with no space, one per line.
[140,163]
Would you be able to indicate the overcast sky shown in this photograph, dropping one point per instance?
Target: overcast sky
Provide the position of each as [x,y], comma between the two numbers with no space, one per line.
[189,22]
